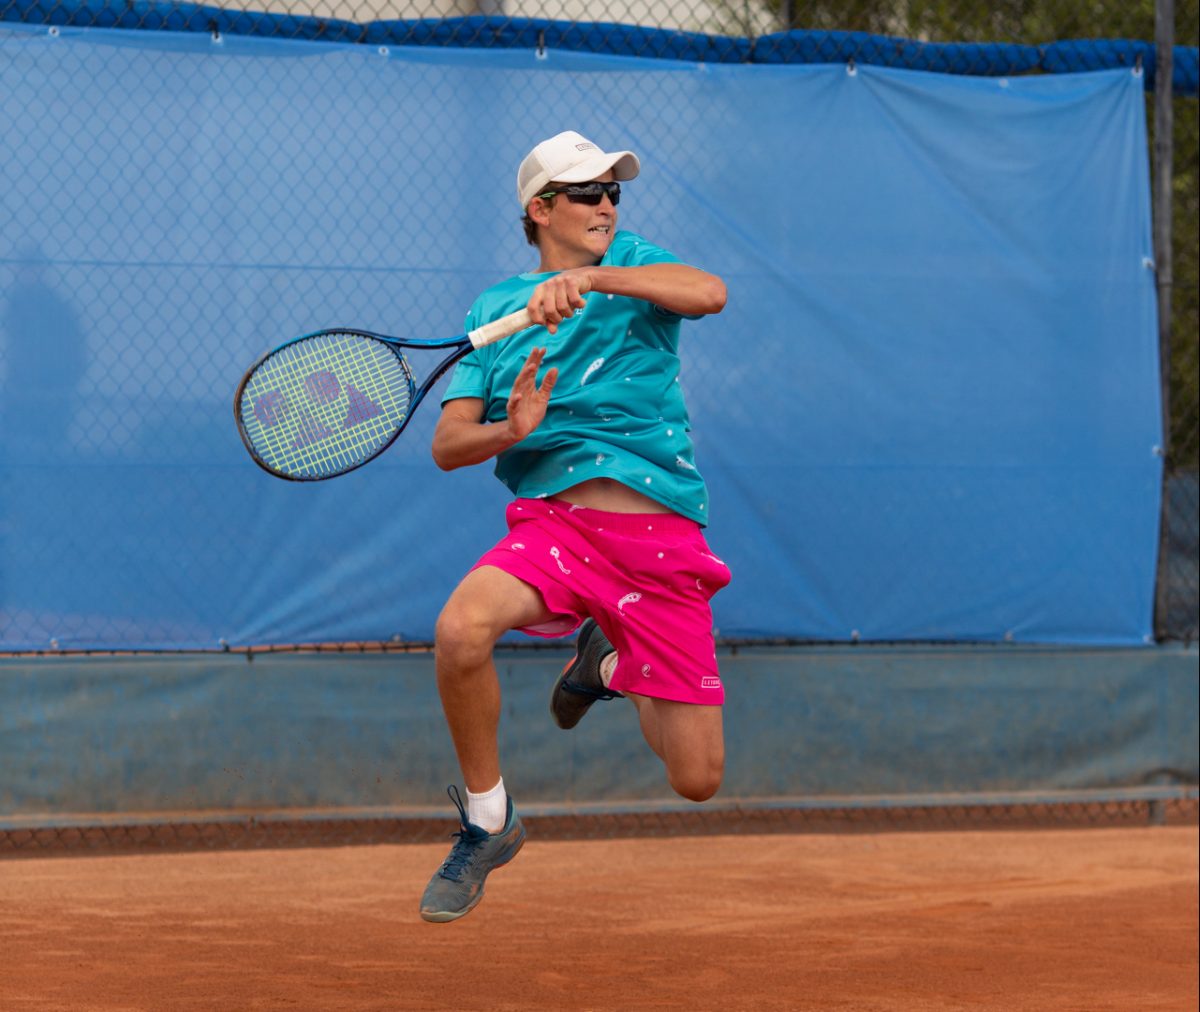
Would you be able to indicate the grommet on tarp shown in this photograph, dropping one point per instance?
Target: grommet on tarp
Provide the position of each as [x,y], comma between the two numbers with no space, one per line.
[54,31]
[851,69]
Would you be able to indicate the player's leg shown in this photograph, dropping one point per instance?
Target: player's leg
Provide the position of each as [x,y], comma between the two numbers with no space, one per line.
[687,736]
[484,606]
[487,604]
[689,739]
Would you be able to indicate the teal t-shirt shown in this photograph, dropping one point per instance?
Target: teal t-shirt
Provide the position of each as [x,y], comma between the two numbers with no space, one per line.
[617,410]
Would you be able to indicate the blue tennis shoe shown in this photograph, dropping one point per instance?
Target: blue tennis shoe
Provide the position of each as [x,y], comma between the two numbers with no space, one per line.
[457,886]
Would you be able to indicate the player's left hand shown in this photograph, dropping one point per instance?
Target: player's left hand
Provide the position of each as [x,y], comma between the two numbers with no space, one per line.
[528,401]
[557,298]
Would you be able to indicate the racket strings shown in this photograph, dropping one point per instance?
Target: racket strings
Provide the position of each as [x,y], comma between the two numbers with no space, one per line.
[325,404]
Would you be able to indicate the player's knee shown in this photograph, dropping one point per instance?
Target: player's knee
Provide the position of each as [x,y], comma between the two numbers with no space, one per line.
[697,783]
[461,638]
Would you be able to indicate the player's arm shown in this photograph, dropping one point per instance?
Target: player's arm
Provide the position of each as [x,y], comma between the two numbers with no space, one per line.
[463,437]
[676,287]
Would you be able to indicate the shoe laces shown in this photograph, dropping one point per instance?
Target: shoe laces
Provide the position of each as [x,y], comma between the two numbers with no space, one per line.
[593,694]
[468,839]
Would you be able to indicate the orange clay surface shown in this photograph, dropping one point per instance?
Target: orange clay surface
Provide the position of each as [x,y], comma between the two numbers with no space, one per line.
[1057,919]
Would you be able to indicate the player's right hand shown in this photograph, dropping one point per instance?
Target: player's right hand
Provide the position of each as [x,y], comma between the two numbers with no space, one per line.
[557,298]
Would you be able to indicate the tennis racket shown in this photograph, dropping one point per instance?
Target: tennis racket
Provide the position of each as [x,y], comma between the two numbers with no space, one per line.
[326,403]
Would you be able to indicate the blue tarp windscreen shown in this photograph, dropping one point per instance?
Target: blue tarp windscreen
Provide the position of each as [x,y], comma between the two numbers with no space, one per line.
[929,411]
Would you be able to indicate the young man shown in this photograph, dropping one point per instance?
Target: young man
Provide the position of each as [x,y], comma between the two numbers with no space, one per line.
[606,525]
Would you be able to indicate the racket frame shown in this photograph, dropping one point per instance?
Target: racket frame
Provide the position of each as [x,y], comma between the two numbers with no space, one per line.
[461,345]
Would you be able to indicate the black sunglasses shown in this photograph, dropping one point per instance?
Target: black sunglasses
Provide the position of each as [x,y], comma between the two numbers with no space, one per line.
[588,193]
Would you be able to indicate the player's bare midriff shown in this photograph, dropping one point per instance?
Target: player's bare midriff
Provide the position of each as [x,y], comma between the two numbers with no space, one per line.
[611,497]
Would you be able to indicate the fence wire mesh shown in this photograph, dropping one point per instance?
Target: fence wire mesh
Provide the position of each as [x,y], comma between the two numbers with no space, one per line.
[702,30]
[110,377]
[1026,22]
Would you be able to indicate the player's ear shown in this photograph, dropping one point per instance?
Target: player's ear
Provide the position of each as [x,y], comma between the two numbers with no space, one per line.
[539,211]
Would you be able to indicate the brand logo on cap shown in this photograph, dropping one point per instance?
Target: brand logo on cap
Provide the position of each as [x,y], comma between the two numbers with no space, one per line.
[585,146]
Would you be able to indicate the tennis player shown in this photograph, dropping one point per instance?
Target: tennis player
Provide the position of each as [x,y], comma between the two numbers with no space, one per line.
[586,422]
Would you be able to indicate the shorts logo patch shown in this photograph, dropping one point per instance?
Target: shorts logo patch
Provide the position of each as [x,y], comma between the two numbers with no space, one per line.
[710,682]
[628,599]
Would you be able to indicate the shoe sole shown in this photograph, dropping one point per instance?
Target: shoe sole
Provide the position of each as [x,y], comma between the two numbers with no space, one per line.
[445,916]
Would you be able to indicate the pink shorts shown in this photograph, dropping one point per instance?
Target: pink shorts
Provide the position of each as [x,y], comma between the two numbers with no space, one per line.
[646,578]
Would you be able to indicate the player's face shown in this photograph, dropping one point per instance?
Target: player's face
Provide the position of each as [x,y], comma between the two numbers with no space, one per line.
[585,230]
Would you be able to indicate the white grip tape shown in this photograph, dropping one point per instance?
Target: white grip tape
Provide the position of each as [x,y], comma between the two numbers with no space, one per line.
[504,327]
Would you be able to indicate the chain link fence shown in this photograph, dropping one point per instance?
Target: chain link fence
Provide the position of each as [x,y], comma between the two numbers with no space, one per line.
[779,30]
[975,38]
[1179,574]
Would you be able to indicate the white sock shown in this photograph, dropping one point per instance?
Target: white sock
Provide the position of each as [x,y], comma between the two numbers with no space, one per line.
[607,666]
[489,810]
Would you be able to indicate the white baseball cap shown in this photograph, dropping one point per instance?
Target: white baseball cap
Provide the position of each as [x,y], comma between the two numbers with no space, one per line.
[569,157]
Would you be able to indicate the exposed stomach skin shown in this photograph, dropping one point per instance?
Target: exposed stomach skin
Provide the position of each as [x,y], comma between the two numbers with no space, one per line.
[610,496]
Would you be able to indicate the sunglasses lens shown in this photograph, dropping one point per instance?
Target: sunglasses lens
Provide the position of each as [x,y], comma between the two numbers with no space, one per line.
[589,193]
[593,193]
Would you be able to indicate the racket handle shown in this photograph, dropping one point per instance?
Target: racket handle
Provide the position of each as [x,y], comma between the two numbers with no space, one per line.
[499,329]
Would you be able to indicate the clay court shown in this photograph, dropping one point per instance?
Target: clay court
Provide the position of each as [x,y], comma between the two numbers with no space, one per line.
[1089,919]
